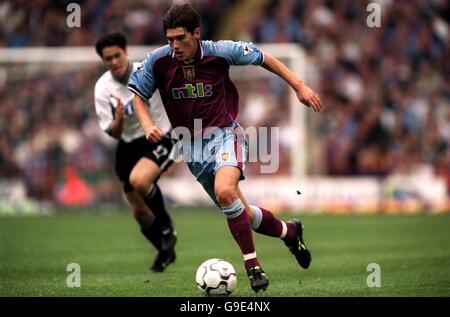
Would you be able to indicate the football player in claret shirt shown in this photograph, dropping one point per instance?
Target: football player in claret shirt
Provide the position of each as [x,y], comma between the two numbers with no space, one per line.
[139,163]
[192,76]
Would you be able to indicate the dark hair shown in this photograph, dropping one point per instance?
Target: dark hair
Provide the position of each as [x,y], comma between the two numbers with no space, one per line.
[111,39]
[181,15]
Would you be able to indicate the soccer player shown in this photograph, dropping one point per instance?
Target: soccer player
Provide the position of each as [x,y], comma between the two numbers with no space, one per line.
[139,163]
[193,78]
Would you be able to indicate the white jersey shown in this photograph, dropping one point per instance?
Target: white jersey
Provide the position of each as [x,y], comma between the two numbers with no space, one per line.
[107,88]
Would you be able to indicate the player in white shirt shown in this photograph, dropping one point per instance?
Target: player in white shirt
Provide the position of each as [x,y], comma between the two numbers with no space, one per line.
[139,163]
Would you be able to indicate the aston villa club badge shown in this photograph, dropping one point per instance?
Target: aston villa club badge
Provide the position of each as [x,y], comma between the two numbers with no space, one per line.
[189,72]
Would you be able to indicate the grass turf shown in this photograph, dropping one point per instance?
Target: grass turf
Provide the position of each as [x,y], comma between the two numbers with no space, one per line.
[412,251]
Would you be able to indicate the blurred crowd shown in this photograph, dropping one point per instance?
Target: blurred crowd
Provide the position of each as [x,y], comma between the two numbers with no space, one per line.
[43,22]
[46,126]
[386,90]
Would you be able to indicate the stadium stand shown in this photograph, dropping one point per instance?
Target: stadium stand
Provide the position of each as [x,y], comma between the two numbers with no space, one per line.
[386,90]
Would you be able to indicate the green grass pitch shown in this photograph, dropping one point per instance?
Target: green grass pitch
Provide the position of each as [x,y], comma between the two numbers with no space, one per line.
[413,253]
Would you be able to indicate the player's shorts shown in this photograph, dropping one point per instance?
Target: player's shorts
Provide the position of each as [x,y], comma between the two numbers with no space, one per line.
[223,147]
[128,154]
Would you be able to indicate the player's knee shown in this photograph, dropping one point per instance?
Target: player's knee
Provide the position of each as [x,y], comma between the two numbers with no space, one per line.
[226,195]
[140,184]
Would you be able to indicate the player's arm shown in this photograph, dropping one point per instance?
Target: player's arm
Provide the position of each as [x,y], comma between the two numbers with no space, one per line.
[152,132]
[110,118]
[142,84]
[242,53]
[304,93]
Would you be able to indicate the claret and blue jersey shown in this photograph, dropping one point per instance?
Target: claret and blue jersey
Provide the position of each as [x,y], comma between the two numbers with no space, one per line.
[199,89]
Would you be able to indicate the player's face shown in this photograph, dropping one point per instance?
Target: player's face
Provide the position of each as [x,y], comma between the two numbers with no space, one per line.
[183,43]
[116,59]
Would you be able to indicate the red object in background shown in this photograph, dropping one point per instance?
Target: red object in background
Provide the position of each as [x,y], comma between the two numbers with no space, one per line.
[75,191]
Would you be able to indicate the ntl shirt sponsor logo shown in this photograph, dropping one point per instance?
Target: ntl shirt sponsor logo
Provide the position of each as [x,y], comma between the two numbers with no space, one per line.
[192,91]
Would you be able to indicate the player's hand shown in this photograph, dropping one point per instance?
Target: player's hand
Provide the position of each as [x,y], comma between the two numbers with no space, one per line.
[119,110]
[153,133]
[309,97]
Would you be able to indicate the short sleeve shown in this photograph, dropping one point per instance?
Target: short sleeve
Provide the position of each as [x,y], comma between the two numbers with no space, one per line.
[142,80]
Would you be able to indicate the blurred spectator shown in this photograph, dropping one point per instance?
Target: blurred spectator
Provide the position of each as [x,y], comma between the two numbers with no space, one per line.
[75,191]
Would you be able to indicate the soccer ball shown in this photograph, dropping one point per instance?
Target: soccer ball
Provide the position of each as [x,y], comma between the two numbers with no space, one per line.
[216,277]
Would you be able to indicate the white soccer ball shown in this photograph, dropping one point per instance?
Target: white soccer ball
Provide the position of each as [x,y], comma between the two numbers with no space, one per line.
[216,277]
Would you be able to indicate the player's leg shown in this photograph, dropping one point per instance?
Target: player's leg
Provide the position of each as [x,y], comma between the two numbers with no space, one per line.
[262,220]
[219,172]
[127,155]
[146,220]
[154,158]
[143,178]
[265,222]
[226,191]
[144,217]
